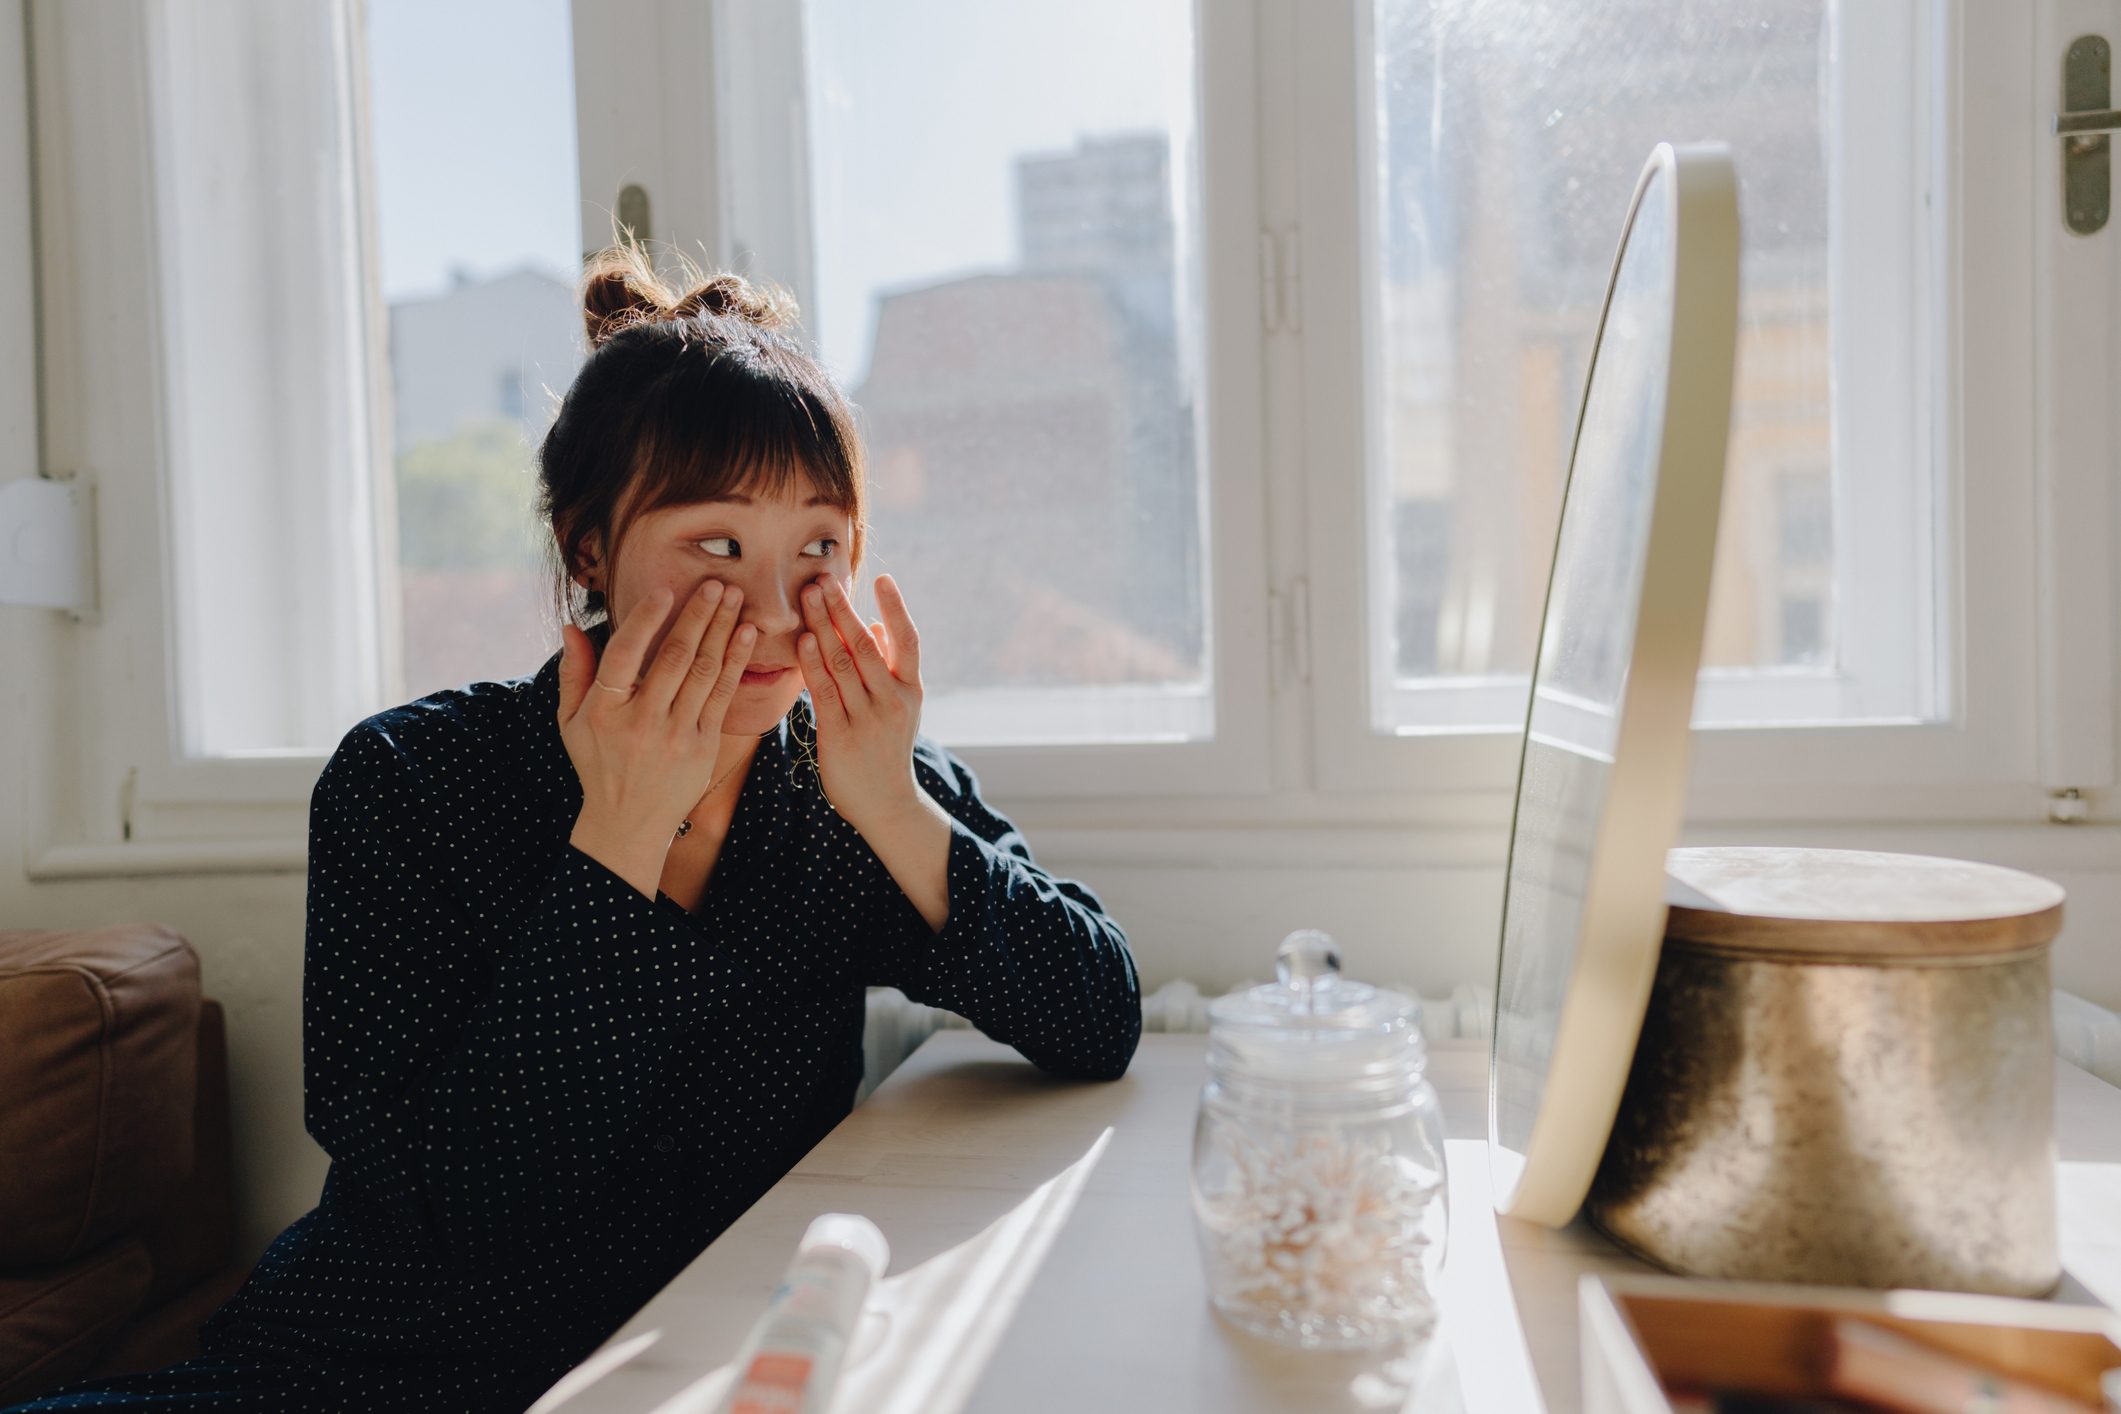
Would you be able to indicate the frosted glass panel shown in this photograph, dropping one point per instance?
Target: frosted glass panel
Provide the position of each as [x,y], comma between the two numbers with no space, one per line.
[1509,136]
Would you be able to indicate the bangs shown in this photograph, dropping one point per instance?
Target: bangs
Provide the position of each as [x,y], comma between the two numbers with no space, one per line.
[732,425]
[683,402]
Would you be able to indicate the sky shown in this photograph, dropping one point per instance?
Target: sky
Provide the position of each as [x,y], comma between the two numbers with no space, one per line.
[918,109]
[472,116]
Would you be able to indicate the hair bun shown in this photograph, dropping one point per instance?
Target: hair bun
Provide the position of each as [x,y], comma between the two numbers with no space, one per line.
[768,306]
[620,288]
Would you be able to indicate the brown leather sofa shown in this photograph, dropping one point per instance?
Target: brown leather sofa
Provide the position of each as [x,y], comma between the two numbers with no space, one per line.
[116,1229]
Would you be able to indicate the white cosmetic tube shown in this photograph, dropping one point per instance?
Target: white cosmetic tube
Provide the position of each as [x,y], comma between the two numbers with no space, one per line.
[790,1362]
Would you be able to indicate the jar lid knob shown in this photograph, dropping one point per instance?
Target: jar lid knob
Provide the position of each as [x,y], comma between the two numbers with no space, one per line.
[1306,960]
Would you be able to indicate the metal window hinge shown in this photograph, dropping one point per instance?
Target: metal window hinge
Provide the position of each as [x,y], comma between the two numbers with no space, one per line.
[1280,281]
[630,219]
[2068,807]
[1289,632]
[2083,123]
[48,544]
[633,212]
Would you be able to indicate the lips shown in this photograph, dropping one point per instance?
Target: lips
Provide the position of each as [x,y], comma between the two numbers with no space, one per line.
[762,675]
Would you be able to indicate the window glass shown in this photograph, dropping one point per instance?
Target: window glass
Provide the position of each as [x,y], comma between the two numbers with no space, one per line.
[1006,269]
[477,211]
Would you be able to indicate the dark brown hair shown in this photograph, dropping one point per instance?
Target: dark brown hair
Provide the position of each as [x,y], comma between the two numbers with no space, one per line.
[684,398]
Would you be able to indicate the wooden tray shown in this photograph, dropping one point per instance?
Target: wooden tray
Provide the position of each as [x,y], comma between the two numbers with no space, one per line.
[1646,1339]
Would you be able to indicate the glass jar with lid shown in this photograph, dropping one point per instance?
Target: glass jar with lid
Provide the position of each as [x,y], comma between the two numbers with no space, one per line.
[1318,1180]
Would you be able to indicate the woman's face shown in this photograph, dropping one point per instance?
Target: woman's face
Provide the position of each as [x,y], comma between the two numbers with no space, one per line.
[769,548]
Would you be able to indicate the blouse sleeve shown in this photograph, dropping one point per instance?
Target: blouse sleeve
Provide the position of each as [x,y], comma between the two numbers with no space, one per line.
[479,1091]
[1032,960]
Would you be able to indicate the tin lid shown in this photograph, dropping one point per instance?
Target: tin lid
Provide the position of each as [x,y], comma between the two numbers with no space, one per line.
[1855,905]
[1315,1023]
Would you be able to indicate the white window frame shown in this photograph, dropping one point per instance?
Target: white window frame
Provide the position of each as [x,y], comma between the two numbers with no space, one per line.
[115,343]
[2075,366]
[2026,505]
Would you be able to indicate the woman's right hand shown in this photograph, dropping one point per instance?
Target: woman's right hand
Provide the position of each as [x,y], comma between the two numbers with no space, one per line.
[646,758]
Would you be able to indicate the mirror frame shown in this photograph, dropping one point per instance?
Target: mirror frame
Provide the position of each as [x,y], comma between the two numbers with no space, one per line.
[1619,932]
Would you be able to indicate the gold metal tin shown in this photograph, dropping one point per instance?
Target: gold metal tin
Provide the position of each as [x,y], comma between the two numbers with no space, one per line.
[1863,1096]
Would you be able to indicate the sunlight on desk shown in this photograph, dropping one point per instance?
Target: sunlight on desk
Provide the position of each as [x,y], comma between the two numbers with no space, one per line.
[586,1374]
[2090,1213]
[926,1334]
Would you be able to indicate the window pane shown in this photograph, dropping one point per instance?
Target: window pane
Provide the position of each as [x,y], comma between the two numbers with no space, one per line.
[1007,284]
[477,200]
[1509,139]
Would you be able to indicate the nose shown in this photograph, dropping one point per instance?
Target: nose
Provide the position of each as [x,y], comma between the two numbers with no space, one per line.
[771,605]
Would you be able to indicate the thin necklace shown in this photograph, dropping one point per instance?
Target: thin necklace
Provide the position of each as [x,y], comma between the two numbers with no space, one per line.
[685,828]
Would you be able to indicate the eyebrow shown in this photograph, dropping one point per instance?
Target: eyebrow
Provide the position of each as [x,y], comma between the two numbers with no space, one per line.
[743,500]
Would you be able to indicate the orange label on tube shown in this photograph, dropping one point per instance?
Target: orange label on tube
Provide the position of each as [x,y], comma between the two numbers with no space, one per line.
[773,1384]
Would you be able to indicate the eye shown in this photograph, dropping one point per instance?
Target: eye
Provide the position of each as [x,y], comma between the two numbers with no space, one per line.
[712,541]
[828,542]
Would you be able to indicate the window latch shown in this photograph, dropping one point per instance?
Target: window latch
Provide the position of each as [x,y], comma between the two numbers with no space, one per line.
[1280,282]
[2068,807]
[47,544]
[1289,632]
[2083,125]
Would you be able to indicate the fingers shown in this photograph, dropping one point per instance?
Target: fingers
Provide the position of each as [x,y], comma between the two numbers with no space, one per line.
[825,703]
[673,661]
[629,644]
[850,655]
[882,636]
[905,638]
[731,677]
[703,672]
[578,669]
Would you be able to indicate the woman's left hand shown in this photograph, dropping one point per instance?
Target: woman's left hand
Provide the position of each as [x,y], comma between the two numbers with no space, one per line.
[865,692]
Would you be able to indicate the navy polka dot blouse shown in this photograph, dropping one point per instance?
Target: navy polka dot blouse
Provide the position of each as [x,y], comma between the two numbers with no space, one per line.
[544,1093]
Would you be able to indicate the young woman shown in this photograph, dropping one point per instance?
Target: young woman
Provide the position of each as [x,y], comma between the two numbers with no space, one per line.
[586,950]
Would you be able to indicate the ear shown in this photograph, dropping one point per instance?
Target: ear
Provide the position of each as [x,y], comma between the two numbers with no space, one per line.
[589,566]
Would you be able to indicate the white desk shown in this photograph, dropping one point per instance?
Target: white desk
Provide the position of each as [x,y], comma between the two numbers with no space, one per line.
[1043,1257]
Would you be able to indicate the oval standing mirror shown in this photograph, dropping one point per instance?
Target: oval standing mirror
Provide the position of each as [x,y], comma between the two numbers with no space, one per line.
[1603,774]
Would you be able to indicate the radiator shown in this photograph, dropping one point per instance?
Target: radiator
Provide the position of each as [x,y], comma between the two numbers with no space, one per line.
[898,1024]
[2086,1035]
